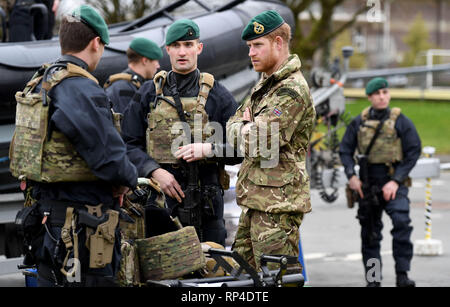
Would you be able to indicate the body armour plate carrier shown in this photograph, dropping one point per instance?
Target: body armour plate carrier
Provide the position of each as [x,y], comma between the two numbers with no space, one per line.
[33,155]
[133,79]
[122,76]
[164,133]
[387,147]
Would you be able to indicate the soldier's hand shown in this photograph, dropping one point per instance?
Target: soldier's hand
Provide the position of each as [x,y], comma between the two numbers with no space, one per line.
[356,185]
[194,152]
[119,192]
[390,190]
[169,185]
[55,6]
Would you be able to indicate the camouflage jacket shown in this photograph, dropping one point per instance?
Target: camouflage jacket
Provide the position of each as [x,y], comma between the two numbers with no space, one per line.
[273,176]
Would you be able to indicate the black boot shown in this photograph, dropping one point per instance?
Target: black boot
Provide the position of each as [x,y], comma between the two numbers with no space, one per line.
[403,280]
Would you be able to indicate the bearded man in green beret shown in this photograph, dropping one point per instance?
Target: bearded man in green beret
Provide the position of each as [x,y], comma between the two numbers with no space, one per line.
[273,186]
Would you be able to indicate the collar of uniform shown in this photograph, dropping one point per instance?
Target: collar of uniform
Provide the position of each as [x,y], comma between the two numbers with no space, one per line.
[187,84]
[74,60]
[289,66]
[379,114]
[135,75]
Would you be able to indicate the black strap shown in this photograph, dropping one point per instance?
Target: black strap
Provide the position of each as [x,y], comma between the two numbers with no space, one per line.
[179,107]
[176,98]
[375,136]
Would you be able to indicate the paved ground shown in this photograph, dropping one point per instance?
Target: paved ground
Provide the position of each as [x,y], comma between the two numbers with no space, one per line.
[331,242]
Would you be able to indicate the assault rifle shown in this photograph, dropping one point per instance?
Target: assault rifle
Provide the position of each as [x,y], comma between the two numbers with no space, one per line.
[190,211]
[365,214]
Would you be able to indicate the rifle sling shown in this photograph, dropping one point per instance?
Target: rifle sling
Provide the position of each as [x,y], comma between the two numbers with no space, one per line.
[178,104]
[375,136]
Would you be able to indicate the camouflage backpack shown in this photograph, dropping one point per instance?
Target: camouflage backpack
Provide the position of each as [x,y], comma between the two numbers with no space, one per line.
[171,255]
[32,153]
[129,272]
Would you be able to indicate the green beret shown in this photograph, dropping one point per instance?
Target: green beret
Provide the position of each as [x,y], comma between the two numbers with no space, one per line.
[146,48]
[262,24]
[182,30]
[93,20]
[375,84]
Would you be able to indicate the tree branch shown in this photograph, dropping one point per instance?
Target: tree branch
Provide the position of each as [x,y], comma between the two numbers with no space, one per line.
[343,27]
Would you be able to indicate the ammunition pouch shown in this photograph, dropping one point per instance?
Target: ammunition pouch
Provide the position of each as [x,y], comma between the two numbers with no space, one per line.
[28,220]
[135,229]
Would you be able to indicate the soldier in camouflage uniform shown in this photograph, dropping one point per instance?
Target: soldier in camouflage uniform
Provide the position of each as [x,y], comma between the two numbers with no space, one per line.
[273,185]
[392,156]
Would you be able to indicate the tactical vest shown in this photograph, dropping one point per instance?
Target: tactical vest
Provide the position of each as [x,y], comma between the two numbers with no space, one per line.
[33,155]
[388,146]
[163,134]
[122,76]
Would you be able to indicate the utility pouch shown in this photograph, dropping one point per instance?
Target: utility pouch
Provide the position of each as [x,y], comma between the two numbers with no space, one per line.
[351,197]
[28,219]
[102,241]
[128,229]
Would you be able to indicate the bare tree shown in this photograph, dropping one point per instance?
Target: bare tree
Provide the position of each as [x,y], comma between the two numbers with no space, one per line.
[321,31]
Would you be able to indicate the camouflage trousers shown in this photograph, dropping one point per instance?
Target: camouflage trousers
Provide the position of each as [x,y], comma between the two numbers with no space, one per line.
[267,233]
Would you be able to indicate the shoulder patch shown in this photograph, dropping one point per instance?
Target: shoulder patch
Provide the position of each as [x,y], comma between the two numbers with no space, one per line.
[277,112]
[287,91]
